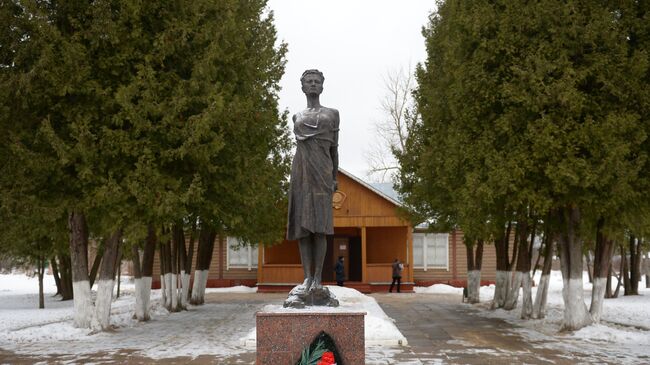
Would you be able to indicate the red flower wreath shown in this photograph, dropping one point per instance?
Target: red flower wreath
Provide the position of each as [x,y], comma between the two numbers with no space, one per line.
[327,359]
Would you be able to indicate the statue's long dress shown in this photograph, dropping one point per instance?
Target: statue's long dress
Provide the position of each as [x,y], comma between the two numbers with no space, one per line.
[312,182]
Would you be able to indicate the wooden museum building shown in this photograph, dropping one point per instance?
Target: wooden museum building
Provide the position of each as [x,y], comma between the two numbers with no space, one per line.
[368,233]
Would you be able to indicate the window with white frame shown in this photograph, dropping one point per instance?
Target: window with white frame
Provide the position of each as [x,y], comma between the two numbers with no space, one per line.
[241,256]
[431,251]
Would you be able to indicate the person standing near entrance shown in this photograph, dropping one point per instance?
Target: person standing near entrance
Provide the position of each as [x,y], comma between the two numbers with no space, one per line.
[340,271]
[397,275]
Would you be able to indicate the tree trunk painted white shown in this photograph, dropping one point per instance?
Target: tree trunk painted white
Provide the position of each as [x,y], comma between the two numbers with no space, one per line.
[202,285]
[513,291]
[602,263]
[82,303]
[539,309]
[147,270]
[576,315]
[500,289]
[106,281]
[527,295]
[163,290]
[195,287]
[473,286]
[597,297]
[41,273]
[646,269]
[185,288]
[139,310]
[198,289]
[174,292]
[142,298]
[168,291]
[103,304]
[146,296]
[508,285]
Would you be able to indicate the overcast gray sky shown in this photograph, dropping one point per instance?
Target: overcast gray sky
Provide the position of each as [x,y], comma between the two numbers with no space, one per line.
[355,43]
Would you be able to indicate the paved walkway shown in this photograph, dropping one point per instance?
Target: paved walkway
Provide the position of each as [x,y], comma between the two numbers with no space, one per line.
[439,330]
[442,331]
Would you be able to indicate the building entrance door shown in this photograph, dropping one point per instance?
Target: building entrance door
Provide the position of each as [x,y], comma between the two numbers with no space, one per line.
[354,262]
[350,248]
[341,248]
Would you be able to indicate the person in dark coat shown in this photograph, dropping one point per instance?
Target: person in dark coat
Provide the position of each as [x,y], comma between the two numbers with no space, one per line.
[340,271]
[397,275]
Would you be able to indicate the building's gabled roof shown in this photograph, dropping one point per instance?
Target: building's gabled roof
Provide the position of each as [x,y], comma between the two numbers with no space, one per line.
[388,189]
[385,190]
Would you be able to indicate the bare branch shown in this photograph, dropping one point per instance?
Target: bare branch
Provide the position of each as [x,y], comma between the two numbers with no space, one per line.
[392,131]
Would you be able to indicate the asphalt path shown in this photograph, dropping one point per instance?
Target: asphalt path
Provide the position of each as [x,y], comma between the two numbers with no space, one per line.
[442,330]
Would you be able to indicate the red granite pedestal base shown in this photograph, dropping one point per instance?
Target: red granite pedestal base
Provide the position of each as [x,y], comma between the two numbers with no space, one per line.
[282,336]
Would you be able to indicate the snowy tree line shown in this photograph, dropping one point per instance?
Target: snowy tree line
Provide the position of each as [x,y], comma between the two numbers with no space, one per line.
[138,126]
[531,120]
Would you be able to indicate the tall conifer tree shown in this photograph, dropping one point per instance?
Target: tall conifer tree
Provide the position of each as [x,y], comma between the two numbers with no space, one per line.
[131,115]
[526,107]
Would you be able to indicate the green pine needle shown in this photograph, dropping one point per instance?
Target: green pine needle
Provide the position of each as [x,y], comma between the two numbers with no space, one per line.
[311,358]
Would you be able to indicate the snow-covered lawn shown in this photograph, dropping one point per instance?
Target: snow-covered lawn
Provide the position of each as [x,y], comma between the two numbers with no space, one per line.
[211,329]
[624,330]
[216,329]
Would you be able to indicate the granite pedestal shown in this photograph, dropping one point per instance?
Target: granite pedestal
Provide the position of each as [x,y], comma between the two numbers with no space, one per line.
[281,336]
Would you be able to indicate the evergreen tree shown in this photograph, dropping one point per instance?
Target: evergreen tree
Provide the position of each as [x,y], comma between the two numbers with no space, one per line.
[126,116]
[211,145]
[526,107]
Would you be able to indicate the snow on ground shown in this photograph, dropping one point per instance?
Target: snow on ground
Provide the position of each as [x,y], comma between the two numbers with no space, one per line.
[486,293]
[223,329]
[438,289]
[379,328]
[624,330]
[25,329]
[19,303]
[232,289]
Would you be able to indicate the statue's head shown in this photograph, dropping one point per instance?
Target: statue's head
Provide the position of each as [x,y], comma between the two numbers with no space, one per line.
[312,82]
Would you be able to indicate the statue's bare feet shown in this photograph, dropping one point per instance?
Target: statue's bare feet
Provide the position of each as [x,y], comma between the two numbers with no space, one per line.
[316,285]
[305,286]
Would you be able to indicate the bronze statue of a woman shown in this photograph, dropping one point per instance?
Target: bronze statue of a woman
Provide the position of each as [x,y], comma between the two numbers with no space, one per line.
[313,181]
